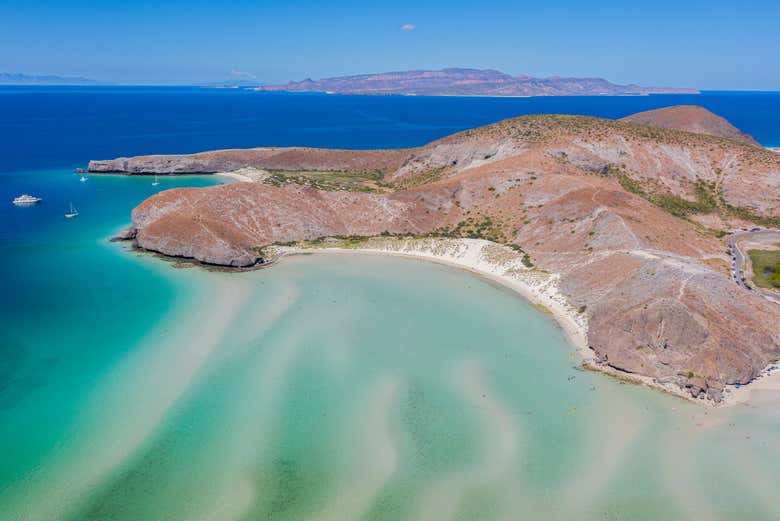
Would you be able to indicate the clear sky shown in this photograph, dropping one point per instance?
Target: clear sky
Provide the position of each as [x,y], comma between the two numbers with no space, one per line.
[714,44]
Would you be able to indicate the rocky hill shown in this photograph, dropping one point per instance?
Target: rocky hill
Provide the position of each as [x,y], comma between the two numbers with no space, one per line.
[625,216]
[466,82]
[292,158]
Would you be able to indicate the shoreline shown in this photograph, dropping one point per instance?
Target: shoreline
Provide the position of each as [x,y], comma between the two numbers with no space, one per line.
[766,383]
[502,265]
[244,175]
[234,177]
[575,327]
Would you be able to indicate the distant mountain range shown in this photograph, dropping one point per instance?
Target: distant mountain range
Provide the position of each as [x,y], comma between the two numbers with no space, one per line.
[10,78]
[467,82]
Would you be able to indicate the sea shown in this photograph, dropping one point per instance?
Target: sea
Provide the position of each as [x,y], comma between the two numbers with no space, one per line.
[328,387]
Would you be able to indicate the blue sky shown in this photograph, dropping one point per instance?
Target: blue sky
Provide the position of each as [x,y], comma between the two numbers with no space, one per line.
[712,45]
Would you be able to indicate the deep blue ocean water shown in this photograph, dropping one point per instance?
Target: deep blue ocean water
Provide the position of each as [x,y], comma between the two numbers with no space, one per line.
[67,126]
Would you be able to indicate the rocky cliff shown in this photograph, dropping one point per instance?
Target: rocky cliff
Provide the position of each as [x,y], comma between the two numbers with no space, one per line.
[623,213]
[292,158]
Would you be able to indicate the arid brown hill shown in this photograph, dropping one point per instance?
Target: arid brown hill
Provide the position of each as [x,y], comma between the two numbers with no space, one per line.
[624,213]
[691,118]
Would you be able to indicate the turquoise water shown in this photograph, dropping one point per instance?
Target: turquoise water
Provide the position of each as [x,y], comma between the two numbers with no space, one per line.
[327,387]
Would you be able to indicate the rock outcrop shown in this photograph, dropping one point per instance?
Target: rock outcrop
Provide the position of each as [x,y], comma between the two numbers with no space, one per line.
[598,202]
[292,158]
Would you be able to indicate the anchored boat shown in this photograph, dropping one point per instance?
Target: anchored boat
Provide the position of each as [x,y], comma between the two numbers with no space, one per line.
[72,212]
[25,200]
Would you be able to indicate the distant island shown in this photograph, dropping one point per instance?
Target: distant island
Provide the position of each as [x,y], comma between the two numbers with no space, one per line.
[12,78]
[467,82]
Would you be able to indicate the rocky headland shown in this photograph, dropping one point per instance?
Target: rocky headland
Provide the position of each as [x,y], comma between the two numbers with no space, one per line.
[622,222]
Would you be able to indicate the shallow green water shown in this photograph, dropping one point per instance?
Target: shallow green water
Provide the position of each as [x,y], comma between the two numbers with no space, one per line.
[328,387]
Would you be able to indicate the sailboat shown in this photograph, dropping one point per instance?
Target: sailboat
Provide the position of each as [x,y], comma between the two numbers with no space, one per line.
[72,212]
[155,182]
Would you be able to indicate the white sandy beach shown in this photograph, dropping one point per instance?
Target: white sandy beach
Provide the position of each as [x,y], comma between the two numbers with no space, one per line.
[487,259]
[245,175]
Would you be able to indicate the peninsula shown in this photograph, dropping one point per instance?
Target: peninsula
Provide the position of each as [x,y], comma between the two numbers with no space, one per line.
[467,82]
[617,227]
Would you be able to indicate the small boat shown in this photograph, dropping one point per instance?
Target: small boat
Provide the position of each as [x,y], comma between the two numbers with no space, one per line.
[83,178]
[81,171]
[72,212]
[156,181]
[25,200]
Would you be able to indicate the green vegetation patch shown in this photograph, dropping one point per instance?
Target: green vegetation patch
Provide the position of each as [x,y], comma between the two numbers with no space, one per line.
[707,200]
[766,268]
[331,180]
[749,215]
[423,177]
[483,227]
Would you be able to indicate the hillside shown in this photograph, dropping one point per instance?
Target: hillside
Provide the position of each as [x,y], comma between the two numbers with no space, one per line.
[691,118]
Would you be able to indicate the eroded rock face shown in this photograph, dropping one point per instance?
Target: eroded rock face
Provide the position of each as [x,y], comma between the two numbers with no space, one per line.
[657,304]
[679,322]
[228,225]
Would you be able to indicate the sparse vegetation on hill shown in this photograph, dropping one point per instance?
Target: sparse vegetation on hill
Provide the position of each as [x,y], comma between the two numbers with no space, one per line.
[709,199]
[421,178]
[361,181]
[706,199]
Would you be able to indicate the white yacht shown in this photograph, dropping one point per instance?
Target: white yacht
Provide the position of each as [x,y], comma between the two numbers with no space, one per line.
[72,212]
[83,178]
[24,200]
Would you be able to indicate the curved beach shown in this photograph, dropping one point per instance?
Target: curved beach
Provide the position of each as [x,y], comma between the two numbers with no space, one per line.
[504,266]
